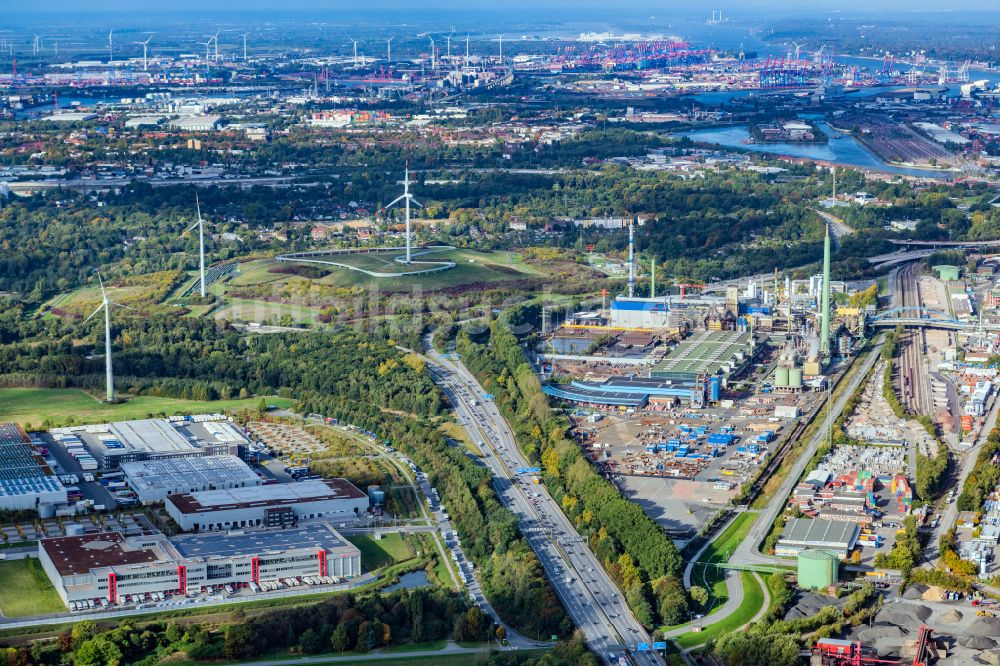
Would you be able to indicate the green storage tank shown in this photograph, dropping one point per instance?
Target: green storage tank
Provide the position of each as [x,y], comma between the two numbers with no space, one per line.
[946,272]
[781,376]
[817,569]
[795,378]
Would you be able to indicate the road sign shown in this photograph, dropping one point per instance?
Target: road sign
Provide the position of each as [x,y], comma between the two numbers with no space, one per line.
[488,396]
[660,645]
[642,647]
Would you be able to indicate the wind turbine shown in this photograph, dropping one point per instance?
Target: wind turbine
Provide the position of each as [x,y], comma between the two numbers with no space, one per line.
[215,38]
[798,48]
[448,38]
[111,46]
[201,242]
[466,49]
[106,304]
[501,48]
[433,54]
[145,45]
[355,42]
[407,197]
[208,51]
[388,48]
[245,35]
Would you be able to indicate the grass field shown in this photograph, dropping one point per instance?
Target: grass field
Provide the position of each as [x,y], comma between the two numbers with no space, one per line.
[249,310]
[753,600]
[471,267]
[457,433]
[376,554]
[34,405]
[712,577]
[26,590]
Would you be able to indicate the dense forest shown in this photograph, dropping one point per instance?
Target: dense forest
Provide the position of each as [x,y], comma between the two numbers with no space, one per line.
[634,550]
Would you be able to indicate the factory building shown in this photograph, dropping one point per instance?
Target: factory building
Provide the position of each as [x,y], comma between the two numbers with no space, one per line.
[837,537]
[154,480]
[112,567]
[279,505]
[111,444]
[652,313]
[707,353]
[629,392]
[26,481]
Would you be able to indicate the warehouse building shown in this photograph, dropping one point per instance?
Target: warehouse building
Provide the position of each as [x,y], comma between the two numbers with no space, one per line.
[837,537]
[629,392]
[153,480]
[279,505]
[112,444]
[26,481]
[116,568]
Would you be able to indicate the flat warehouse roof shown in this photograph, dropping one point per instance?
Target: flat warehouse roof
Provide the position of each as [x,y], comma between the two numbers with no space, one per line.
[220,544]
[170,473]
[74,555]
[816,531]
[265,496]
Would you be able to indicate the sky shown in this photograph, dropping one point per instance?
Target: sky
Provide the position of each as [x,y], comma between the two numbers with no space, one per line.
[411,8]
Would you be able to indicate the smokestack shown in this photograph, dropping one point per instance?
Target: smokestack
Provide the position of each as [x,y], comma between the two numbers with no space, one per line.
[825,334]
[631,260]
[652,278]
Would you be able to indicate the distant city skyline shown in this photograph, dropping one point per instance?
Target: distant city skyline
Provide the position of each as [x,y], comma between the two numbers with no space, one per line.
[465,7]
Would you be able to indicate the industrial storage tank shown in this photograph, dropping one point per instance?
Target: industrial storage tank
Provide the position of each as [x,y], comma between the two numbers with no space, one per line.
[817,569]
[781,376]
[795,378]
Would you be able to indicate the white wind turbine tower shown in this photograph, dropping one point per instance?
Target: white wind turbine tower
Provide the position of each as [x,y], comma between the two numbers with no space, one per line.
[106,304]
[145,46]
[433,54]
[200,223]
[111,47]
[500,37]
[355,42]
[448,38]
[466,49]
[208,51]
[798,48]
[245,35]
[407,197]
[215,38]
[388,48]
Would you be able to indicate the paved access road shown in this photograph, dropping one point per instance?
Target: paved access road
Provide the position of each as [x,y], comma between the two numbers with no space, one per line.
[748,552]
[592,600]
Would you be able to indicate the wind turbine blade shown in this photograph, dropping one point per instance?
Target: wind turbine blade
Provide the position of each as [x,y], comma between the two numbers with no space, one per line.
[121,305]
[101,282]
[412,200]
[191,227]
[93,313]
[394,201]
[197,205]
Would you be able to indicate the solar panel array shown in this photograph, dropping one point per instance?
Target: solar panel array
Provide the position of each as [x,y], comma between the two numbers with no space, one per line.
[20,470]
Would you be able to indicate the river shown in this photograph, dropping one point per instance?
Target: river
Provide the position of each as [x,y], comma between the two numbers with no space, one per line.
[846,150]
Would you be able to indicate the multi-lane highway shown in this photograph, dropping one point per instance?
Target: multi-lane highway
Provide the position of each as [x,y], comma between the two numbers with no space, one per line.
[592,600]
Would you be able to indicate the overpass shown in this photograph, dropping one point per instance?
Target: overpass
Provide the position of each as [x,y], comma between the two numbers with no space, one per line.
[921,317]
[945,244]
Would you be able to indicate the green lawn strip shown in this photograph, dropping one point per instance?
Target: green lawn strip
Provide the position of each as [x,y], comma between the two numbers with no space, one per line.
[26,590]
[34,405]
[753,599]
[376,554]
